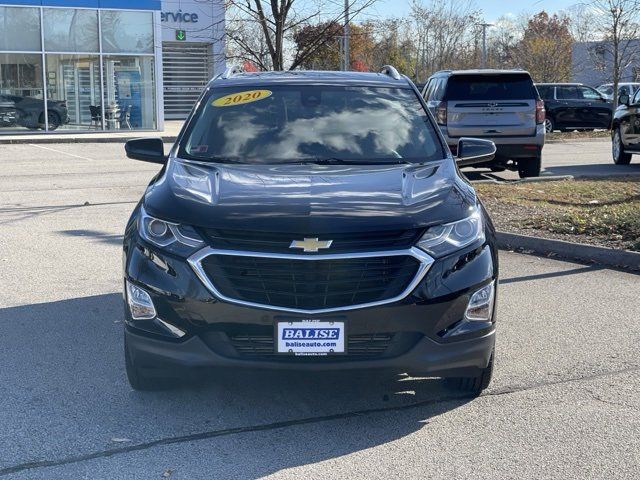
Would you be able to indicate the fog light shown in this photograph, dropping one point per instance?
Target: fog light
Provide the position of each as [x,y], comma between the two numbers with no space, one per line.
[480,305]
[140,304]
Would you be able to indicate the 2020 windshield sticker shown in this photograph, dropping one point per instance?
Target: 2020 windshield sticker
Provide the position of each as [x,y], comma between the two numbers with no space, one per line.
[240,98]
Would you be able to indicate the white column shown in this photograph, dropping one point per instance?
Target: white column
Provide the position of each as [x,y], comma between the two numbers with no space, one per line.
[157,51]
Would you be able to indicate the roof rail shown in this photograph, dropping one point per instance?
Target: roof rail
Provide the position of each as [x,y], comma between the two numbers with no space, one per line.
[231,71]
[391,72]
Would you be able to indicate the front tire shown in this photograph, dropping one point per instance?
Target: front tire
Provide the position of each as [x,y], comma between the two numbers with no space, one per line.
[54,121]
[617,149]
[529,167]
[139,379]
[472,385]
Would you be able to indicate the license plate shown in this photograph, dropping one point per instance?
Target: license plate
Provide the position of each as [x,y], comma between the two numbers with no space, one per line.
[310,337]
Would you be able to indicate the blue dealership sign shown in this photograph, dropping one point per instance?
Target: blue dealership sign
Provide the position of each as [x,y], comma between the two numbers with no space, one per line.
[113,4]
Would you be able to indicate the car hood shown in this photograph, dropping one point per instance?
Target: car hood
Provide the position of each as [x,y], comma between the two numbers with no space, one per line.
[311,199]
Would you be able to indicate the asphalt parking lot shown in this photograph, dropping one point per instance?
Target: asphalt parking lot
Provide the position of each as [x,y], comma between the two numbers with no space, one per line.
[580,158]
[564,402]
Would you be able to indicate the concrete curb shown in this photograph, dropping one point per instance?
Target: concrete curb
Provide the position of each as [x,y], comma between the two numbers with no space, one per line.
[580,252]
[553,178]
[577,140]
[81,139]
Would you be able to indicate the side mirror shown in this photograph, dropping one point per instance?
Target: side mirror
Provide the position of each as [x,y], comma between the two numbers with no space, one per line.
[146,149]
[623,99]
[474,150]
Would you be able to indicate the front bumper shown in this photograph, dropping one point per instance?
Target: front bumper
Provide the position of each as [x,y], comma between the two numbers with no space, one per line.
[427,357]
[428,335]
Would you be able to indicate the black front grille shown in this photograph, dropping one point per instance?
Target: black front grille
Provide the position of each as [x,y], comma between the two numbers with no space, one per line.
[279,242]
[310,284]
[367,345]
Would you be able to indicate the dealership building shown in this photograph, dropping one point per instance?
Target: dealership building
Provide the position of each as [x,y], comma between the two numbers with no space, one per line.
[93,65]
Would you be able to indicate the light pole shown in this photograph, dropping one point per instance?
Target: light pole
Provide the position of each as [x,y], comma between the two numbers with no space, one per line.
[347,63]
[483,61]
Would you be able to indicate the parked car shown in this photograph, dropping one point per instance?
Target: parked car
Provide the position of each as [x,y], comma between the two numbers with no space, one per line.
[8,114]
[624,88]
[310,220]
[574,106]
[625,132]
[30,111]
[498,105]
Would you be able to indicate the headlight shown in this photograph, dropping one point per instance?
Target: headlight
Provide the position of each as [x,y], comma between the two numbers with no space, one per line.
[441,240]
[177,238]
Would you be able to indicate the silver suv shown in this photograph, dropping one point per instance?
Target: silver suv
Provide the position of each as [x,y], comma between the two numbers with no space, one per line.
[499,105]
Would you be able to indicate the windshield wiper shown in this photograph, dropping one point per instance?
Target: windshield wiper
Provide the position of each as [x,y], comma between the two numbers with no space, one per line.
[213,159]
[346,161]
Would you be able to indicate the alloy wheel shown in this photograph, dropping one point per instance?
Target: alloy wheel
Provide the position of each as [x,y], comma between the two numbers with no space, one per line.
[54,120]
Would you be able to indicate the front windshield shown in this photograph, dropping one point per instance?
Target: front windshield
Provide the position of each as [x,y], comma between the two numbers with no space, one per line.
[311,123]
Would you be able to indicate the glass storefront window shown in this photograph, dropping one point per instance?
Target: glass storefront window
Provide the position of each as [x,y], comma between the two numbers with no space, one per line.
[57,70]
[127,32]
[19,29]
[129,93]
[21,95]
[67,30]
[73,90]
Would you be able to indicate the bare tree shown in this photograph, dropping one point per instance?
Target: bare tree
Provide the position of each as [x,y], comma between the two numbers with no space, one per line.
[263,31]
[581,21]
[618,24]
[502,41]
[445,32]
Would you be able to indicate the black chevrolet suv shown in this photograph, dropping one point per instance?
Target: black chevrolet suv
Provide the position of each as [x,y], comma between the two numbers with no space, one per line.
[310,220]
[574,106]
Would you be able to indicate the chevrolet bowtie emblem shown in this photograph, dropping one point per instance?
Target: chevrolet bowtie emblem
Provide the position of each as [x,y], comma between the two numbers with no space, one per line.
[311,244]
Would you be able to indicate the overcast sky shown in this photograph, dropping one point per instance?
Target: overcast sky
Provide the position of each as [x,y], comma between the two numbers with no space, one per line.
[492,8]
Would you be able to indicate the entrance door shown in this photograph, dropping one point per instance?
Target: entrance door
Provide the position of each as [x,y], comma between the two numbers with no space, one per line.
[73,88]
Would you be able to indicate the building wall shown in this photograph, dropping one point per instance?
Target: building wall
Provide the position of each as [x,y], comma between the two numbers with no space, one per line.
[592,63]
[80,65]
[202,21]
[106,4]
[193,51]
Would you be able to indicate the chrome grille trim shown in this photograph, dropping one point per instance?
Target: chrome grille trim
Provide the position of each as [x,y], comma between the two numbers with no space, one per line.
[423,258]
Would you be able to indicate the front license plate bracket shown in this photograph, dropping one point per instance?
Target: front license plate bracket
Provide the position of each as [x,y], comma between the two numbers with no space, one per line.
[310,338]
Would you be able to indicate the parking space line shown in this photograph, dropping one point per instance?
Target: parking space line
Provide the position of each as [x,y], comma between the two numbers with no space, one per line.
[61,151]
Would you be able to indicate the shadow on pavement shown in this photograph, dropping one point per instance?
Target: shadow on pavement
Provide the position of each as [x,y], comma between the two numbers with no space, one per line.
[66,398]
[19,212]
[560,273]
[103,237]
[479,174]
